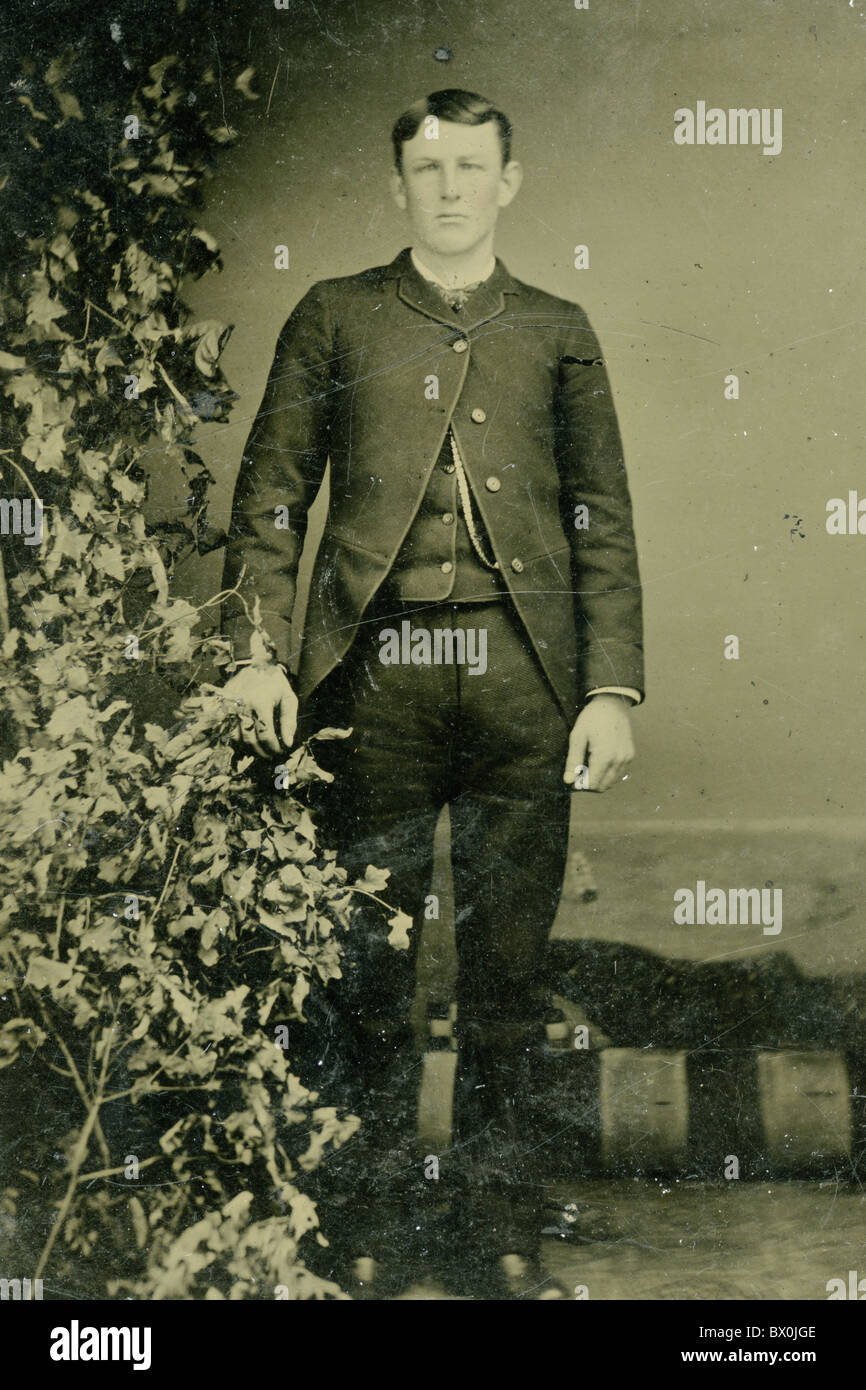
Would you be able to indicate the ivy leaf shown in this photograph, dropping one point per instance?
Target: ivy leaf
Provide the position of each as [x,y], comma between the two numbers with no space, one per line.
[44,973]
[108,559]
[46,450]
[239,886]
[398,936]
[139,1222]
[94,465]
[210,242]
[300,990]
[303,1216]
[374,879]
[61,247]
[108,356]
[156,798]
[67,544]
[70,717]
[68,103]
[210,346]
[38,115]
[111,867]
[242,84]
[80,502]
[128,489]
[42,309]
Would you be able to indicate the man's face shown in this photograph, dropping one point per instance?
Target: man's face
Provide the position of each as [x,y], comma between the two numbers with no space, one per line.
[454,184]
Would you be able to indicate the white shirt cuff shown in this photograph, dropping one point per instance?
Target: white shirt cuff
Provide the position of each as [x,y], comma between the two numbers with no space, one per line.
[634,695]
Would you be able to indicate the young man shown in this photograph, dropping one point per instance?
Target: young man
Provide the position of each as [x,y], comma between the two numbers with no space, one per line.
[477,492]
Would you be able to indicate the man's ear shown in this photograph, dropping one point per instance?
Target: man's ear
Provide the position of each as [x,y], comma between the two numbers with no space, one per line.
[398,189]
[509,183]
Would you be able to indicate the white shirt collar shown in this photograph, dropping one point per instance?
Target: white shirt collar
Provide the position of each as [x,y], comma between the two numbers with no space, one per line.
[429,274]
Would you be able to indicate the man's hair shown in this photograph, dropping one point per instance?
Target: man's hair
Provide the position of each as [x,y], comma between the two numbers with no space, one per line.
[451,104]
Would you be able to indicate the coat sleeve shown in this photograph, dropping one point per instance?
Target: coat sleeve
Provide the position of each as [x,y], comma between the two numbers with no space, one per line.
[593,473]
[281,471]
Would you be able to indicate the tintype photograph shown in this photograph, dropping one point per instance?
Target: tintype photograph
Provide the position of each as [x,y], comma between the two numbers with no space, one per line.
[431,604]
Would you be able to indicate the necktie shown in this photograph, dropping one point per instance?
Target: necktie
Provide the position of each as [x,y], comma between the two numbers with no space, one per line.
[454,298]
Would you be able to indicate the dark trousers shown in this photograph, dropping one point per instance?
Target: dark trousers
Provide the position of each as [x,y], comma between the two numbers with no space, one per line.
[493,747]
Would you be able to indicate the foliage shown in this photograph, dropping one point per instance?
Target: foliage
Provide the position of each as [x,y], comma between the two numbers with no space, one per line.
[166,912]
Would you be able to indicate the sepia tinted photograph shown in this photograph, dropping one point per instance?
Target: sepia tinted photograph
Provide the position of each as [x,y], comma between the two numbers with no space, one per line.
[431,603]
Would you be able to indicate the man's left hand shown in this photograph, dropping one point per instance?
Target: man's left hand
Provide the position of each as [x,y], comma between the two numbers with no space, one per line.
[600,745]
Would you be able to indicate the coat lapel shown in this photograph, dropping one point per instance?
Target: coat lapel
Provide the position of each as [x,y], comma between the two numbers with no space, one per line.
[487,302]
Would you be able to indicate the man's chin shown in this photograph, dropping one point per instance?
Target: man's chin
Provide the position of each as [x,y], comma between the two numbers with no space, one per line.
[452,239]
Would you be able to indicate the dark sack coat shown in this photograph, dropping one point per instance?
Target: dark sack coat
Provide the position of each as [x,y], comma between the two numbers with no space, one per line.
[369,372]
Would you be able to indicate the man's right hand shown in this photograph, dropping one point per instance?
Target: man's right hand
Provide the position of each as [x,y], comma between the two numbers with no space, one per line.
[272,704]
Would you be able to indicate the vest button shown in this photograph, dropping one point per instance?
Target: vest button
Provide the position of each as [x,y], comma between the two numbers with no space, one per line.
[460,345]
[446,567]
[448,468]
[517,566]
[492,484]
[479,415]
[448,517]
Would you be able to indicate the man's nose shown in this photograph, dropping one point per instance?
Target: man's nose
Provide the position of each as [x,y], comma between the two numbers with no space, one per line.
[448,189]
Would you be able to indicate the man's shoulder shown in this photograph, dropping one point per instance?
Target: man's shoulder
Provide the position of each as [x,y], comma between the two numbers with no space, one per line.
[546,302]
[361,282]
[329,299]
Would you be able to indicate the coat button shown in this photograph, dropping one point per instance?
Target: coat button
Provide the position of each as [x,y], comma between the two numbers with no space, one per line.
[517,566]
[460,345]
[492,484]
[479,415]
[448,517]
[446,567]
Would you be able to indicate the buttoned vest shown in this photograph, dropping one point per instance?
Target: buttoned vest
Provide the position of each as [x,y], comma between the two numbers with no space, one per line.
[437,561]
